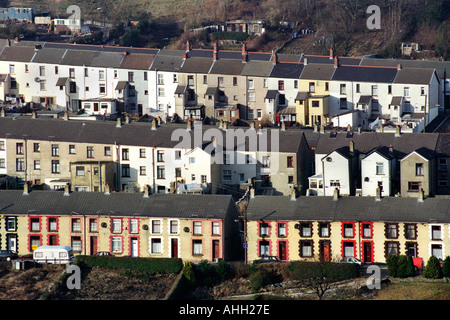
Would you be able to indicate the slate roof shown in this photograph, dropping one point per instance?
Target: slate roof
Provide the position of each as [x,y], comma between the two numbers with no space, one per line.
[19,54]
[257,68]
[365,142]
[389,209]
[137,61]
[354,61]
[78,58]
[13,202]
[317,71]
[227,66]
[107,59]
[49,55]
[196,65]
[88,47]
[287,70]
[170,60]
[365,74]
[415,76]
[443,145]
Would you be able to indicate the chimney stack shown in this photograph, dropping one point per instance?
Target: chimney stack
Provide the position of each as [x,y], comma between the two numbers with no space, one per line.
[146,191]
[189,125]
[66,116]
[421,195]
[119,122]
[398,131]
[33,114]
[107,190]
[252,193]
[2,113]
[378,194]
[293,194]
[252,124]
[127,119]
[322,129]
[336,62]
[125,53]
[25,189]
[336,194]
[331,53]
[184,56]
[154,124]
[275,58]
[399,67]
[283,126]
[352,146]
[305,61]
[66,190]
[316,128]
[215,53]
[188,46]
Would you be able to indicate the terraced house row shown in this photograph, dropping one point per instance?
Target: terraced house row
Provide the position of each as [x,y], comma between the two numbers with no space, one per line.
[209,227]
[225,85]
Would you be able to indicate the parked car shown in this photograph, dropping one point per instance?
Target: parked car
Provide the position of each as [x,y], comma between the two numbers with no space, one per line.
[8,255]
[350,260]
[104,253]
[266,259]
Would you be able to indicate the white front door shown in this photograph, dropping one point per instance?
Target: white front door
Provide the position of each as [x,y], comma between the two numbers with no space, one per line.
[134,248]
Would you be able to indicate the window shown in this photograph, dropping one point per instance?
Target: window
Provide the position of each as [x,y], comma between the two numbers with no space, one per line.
[290,161]
[312,87]
[35,224]
[76,243]
[366,230]
[197,227]
[306,229]
[2,145]
[335,183]
[406,92]
[436,233]
[374,90]
[161,172]
[42,71]
[324,229]
[251,96]
[215,228]
[419,169]
[348,230]
[126,170]
[130,76]
[142,153]
[264,249]
[197,247]
[375,105]
[37,164]
[12,69]
[227,175]
[156,246]
[101,74]
[93,225]
[19,148]
[392,248]
[391,231]
[90,152]
[142,170]
[251,84]
[12,83]
[175,78]
[436,250]
[290,179]
[342,88]
[263,229]
[35,242]
[282,229]
[55,166]
[76,225]
[116,226]
[102,88]
[107,151]
[327,86]
[125,154]
[414,186]
[442,164]
[349,249]
[266,162]
[160,156]
[55,150]
[295,84]
[72,73]
[116,244]
[80,171]
[20,164]
[71,149]
[11,224]
[389,89]
[358,88]
[2,163]
[235,81]
[156,227]
[36,147]
[220,81]
[280,84]
[306,248]
[410,231]
[190,80]
[43,85]
[343,103]
[173,227]
[204,178]
[161,92]
[379,168]
[315,103]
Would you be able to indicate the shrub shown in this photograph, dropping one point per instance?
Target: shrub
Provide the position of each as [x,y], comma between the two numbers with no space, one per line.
[392,264]
[205,267]
[410,269]
[402,267]
[223,269]
[259,279]
[188,273]
[433,269]
[446,267]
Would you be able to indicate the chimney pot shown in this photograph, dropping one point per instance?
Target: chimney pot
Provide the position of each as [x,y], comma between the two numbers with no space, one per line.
[275,58]
[352,146]
[188,46]
[146,191]
[293,194]
[378,194]
[66,190]
[154,124]
[66,115]
[107,190]
[398,131]
[421,195]
[331,53]
[189,125]
[252,193]
[336,62]
[119,123]
[25,188]
[283,126]
[336,194]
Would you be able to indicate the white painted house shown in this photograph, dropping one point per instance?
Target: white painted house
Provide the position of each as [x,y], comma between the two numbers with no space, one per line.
[377,171]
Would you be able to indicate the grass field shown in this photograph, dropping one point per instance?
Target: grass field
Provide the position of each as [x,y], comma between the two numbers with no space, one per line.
[417,289]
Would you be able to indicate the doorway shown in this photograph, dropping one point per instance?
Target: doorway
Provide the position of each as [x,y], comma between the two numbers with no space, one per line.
[282,250]
[93,245]
[174,248]
[368,257]
[325,254]
[134,247]
[216,249]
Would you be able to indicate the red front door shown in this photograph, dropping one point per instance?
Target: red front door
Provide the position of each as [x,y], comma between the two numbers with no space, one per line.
[282,252]
[174,246]
[216,249]
[94,246]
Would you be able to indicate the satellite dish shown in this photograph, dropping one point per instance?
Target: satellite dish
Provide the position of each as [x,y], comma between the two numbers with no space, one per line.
[329,159]
[37,80]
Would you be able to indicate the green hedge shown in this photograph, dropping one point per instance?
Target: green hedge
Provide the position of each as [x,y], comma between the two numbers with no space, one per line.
[301,270]
[148,265]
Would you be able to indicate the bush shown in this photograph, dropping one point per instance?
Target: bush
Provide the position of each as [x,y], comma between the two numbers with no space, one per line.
[392,264]
[433,269]
[410,269]
[147,265]
[300,270]
[223,269]
[188,273]
[446,267]
[402,266]
[259,279]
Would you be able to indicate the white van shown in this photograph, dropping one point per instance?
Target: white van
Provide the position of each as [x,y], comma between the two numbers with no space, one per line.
[53,254]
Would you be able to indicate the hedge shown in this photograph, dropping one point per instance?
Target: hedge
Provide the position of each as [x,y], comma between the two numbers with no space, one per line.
[148,265]
[301,270]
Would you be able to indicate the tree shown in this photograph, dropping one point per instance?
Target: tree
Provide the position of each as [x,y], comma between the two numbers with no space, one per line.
[446,267]
[433,269]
